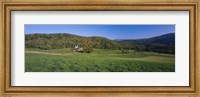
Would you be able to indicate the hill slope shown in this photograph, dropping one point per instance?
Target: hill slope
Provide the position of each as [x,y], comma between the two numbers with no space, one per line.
[168,39]
[55,41]
[164,43]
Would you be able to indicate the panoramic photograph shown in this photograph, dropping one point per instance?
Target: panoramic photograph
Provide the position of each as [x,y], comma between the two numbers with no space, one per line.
[99,48]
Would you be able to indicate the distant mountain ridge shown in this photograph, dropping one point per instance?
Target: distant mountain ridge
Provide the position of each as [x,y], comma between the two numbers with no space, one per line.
[166,39]
[164,43]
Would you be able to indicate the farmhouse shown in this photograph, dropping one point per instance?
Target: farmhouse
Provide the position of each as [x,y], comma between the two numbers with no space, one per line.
[78,49]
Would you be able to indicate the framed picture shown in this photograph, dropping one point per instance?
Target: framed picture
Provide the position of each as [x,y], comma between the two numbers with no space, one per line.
[95,47]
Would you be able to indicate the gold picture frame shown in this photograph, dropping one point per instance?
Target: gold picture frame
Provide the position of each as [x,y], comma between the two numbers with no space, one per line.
[122,5]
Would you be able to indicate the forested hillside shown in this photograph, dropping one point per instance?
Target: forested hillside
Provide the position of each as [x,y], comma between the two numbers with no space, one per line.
[161,44]
[57,41]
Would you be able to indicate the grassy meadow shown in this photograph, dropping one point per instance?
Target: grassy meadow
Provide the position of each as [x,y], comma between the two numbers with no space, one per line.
[66,60]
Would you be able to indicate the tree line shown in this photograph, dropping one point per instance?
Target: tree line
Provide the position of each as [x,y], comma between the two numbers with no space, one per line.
[57,41]
[63,40]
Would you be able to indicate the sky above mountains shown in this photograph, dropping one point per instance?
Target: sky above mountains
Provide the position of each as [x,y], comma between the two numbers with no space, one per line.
[111,31]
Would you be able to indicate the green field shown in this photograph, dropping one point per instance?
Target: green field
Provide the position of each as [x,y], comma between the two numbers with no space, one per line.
[65,60]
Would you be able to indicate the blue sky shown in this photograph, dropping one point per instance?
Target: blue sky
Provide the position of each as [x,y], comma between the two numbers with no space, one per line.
[110,31]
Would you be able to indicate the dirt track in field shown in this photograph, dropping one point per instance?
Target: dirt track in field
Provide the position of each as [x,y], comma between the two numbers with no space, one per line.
[150,58]
[47,53]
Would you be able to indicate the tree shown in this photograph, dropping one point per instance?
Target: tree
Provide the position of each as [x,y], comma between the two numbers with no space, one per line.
[139,48]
